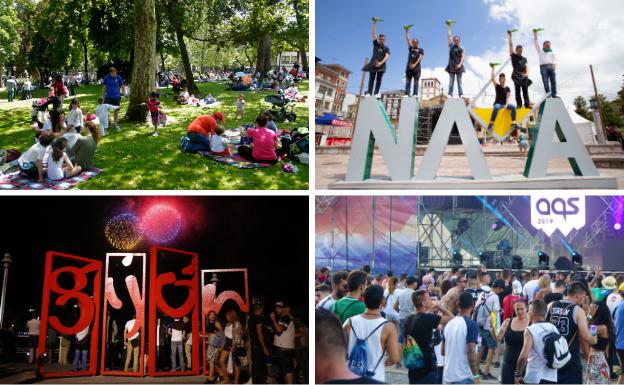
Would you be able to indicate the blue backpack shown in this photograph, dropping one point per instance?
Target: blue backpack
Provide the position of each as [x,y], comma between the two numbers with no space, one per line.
[358,359]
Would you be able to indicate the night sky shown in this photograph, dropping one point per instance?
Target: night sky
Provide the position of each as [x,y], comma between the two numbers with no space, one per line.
[226,232]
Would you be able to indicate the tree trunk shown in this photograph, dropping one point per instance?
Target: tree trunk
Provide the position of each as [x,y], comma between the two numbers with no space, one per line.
[86,58]
[304,58]
[186,62]
[144,68]
[264,54]
[162,61]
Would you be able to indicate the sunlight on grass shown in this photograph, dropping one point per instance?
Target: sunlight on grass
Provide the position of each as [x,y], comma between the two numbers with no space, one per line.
[133,159]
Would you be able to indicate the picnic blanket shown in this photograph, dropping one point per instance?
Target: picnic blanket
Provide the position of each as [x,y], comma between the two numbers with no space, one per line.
[234,160]
[202,104]
[15,181]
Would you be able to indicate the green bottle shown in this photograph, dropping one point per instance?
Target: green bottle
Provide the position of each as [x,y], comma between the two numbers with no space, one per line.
[450,22]
[512,30]
[377,19]
[538,29]
[494,64]
[408,27]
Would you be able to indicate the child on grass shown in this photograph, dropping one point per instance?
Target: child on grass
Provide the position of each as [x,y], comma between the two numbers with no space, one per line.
[240,106]
[101,111]
[75,116]
[218,145]
[59,165]
[153,105]
[30,163]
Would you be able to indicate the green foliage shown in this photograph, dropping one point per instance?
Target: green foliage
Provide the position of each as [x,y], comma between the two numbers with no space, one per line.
[9,27]
[581,107]
[133,159]
[609,113]
[111,28]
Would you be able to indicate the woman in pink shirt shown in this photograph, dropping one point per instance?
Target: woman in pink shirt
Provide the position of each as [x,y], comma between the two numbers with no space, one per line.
[265,141]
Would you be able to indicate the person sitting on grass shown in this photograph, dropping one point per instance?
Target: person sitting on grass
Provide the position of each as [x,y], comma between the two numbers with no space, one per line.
[218,144]
[30,163]
[292,93]
[59,166]
[55,124]
[101,111]
[153,105]
[183,96]
[271,125]
[83,150]
[200,129]
[502,100]
[265,142]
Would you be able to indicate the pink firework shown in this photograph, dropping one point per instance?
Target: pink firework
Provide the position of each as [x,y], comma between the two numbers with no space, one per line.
[161,223]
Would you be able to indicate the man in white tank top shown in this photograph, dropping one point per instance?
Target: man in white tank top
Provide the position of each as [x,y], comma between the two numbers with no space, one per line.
[380,334]
[532,354]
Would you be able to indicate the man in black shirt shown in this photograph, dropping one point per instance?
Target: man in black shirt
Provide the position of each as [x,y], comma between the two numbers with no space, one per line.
[455,66]
[520,74]
[331,352]
[502,100]
[259,349]
[415,55]
[420,326]
[377,66]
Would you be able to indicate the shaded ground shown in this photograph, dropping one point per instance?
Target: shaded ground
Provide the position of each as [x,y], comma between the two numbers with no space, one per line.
[133,159]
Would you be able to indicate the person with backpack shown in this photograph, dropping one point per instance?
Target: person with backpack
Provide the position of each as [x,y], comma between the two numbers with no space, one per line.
[539,339]
[371,336]
[487,313]
[418,353]
[404,305]
[350,305]
[571,321]
[461,362]
[331,365]
[601,326]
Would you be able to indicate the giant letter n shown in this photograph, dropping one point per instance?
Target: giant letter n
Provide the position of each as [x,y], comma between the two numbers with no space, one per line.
[397,150]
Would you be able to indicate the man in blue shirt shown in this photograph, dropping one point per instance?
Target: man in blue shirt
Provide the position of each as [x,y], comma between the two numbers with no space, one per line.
[112,91]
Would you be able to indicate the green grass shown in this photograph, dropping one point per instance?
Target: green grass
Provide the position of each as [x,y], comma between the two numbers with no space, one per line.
[132,159]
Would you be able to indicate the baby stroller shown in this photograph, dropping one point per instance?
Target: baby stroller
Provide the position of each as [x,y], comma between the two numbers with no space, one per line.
[286,109]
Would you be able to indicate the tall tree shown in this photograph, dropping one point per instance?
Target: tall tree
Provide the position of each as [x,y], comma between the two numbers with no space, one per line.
[299,31]
[144,68]
[9,24]
[176,19]
[580,107]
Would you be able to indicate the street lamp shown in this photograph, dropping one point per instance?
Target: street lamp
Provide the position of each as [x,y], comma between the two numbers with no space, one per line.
[6,261]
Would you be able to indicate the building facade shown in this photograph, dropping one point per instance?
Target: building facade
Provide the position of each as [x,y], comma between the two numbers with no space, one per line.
[331,88]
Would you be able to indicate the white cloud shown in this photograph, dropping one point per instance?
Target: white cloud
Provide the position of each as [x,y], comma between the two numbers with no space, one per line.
[582,33]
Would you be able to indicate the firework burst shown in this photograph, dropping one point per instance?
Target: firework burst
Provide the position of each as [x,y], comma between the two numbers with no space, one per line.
[123,231]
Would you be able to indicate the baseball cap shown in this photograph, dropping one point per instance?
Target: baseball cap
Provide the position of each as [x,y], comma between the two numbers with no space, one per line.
[516,287]
[280,304]
[499,283]
[621,288]
[219,115]
[609,283]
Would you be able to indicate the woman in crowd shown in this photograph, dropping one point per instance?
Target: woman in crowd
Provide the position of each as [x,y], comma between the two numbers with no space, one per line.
[512,333]
[597,366]
[213,342]
[543,285]
[265,142]
[390,296]
[233,335]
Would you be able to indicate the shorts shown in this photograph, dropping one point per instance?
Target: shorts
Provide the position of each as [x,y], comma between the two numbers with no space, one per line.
[286,357]
[155,117]
[28,169]
[488,339]
[401,333]
[33,341]
[112,101]
[228,344]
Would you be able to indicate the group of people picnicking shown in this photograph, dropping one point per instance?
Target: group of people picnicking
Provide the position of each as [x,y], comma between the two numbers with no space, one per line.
[65,144]
[238,346]
[453,327]
[455,68]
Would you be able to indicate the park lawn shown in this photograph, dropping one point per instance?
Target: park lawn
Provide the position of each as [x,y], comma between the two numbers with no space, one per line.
[133,159]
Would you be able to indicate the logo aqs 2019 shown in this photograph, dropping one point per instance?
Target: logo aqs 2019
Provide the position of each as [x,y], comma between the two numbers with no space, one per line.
[557,211]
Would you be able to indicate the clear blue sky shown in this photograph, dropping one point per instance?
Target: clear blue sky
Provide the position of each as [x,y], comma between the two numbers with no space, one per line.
[343,32]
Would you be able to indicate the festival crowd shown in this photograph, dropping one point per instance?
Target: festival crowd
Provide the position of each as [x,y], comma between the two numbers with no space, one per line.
[453,327]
